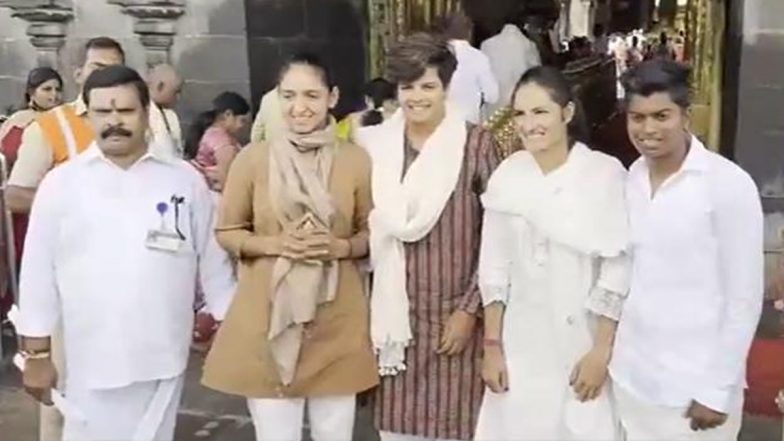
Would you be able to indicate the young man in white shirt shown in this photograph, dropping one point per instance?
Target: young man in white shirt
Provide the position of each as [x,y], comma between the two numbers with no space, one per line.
[697,282]
[473,83]
[117,236]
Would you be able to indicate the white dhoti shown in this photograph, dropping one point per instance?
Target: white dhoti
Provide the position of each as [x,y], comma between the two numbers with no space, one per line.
[145,411]
[650,422]
[331,418]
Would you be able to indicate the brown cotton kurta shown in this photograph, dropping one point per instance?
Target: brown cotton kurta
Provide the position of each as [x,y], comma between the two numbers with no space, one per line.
[336,356]
[439,396]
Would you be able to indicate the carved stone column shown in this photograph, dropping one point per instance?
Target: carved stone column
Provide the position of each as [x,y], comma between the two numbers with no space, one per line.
[48,21]
[155,24]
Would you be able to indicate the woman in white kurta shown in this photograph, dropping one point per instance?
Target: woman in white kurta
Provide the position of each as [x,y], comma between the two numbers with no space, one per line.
[553,273]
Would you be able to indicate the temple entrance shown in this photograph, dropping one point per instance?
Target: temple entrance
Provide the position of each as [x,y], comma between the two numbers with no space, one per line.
[696,27]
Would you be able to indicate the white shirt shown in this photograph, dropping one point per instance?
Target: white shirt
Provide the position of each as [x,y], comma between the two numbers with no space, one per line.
[581,18]
[473,82]
[697,283]
[126,309]
[165,128]
[511,53]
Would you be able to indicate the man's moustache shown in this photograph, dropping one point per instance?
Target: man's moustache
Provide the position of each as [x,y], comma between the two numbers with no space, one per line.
[116,131]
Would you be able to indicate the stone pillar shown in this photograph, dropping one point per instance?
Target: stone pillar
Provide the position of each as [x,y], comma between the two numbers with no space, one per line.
[48,20]
[155,24]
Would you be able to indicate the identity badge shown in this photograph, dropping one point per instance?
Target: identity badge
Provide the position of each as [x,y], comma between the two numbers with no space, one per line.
[164,238]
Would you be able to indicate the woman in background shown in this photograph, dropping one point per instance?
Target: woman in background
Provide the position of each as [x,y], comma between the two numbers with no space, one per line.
[211,143]
[380,104]
[44,91]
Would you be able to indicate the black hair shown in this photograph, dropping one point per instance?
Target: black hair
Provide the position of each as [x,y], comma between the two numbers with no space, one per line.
[658,76]
[35,79]
[663,38]
[378,90]
[226,101]
[312,60]
[102,43]
[408,60]
[457,26]
[113,76]
[559,89]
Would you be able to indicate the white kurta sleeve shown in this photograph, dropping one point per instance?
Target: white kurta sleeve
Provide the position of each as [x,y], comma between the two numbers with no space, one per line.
[215,269]
[738,225]
[495,258]
[39,298]
[612,287]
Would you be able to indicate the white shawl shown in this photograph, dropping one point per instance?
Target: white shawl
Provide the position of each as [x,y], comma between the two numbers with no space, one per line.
[588,212]
[405,210]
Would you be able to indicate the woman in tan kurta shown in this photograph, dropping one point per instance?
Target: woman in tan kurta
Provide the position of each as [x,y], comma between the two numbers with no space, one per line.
[294,212]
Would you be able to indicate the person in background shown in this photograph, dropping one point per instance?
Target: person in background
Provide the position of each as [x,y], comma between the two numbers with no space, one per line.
[380,104]
[59,134]
[165,86]
[553,289]
[430,167]
[635,52]
[679,361]
[511,53]
[269,119]
[679,47]
[125,220]
[601,41]
[43,91]
[294,213]
[663,49]
[473,84]
[211,143]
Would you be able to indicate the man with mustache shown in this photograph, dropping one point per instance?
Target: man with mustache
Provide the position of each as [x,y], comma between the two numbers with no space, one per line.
[53,138]
[117,238]
[697,279]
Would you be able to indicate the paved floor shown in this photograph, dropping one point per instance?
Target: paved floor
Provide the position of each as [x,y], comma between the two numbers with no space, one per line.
[210,416]
[204,415]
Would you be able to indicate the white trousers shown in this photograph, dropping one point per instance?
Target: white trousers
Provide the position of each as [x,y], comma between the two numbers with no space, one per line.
[647,422]
[331,418]
[389,436]
[145,411]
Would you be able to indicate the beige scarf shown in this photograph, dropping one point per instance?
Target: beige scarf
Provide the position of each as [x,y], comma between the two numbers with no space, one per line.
[300,167]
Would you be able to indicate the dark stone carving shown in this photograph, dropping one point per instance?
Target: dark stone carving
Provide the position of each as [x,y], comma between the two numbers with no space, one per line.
[155,24]
[47,20]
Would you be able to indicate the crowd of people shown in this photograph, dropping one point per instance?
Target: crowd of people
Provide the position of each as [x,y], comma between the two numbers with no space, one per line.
[547,295]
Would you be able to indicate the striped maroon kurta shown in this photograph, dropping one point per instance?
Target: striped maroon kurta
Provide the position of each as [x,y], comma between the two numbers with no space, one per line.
[439,396]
